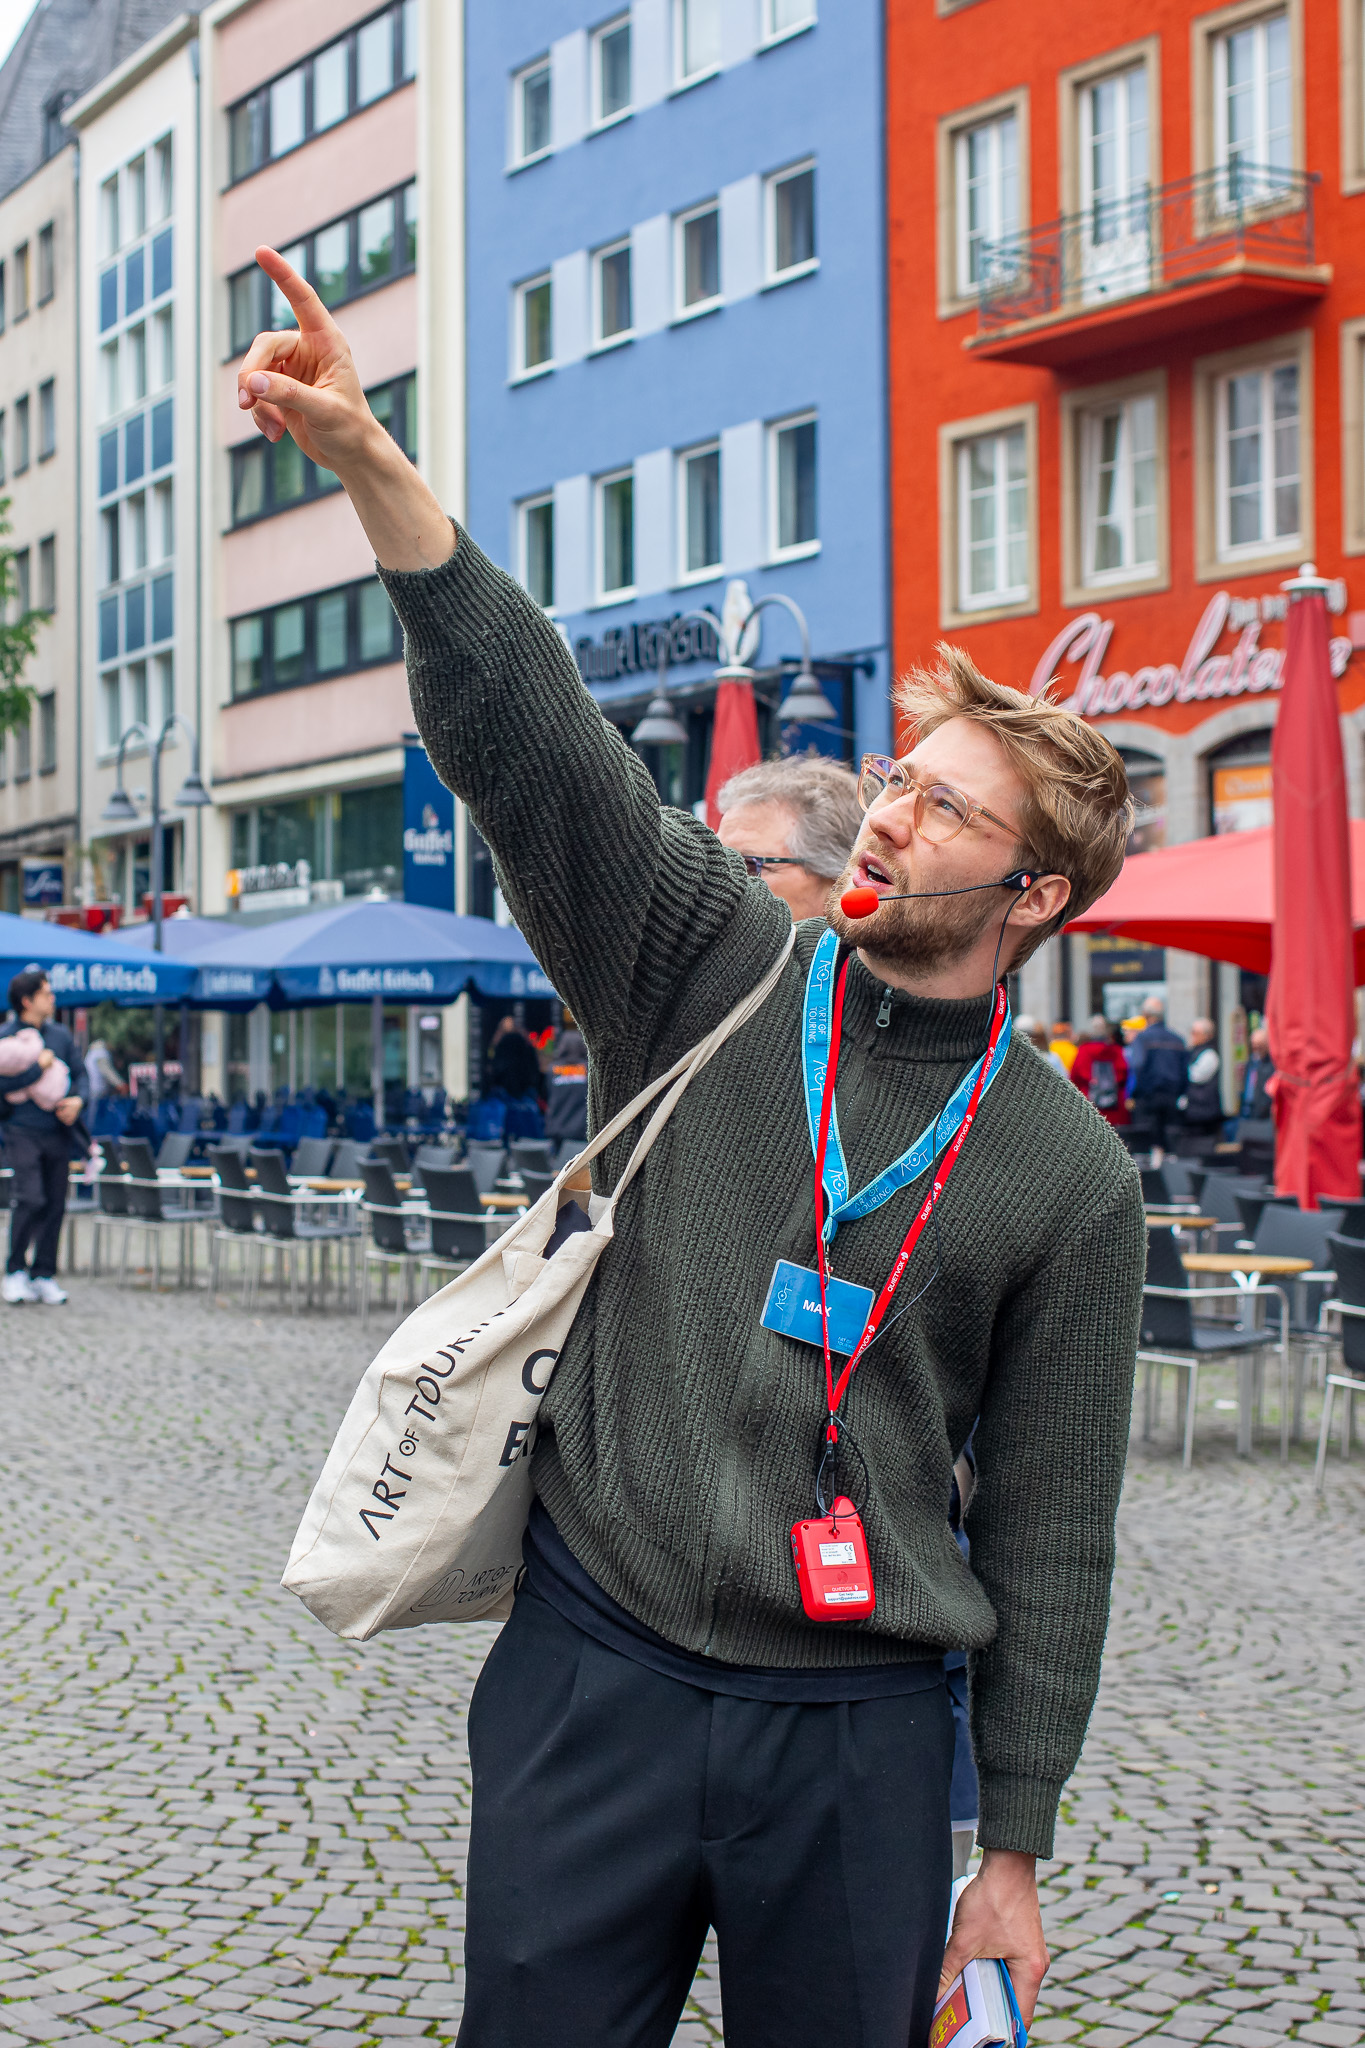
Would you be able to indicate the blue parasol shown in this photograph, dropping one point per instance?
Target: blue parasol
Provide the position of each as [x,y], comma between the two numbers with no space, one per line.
[85,967]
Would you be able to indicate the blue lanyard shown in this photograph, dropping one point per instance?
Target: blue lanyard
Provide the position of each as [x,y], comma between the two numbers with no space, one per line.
[815,1037]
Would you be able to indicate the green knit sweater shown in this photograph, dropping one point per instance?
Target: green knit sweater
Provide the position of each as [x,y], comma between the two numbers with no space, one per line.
[679,1439]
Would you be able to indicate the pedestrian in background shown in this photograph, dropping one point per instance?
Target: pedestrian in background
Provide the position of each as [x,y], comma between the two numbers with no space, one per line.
[1202,1104]
[795,822]
[103,1076]
[513,1066]
[1158,1069]
[38,1146]
[1063,1043]
[1255,1104]
[1100,1070]
[1038,1038]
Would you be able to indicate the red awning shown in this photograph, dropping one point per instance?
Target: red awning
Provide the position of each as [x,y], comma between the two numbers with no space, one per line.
[1211,896]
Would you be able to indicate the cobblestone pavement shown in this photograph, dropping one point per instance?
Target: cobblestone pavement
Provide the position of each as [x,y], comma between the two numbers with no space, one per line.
[219,1824]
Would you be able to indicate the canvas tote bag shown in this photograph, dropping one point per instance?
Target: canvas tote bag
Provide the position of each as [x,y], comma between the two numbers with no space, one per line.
[419,1511]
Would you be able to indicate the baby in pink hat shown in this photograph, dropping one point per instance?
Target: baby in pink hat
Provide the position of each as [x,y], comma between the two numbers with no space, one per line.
[24,1049]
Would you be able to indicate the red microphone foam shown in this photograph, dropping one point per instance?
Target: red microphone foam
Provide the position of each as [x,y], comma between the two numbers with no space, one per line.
[859,902]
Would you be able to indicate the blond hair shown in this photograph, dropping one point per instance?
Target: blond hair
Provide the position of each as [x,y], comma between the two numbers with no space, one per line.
[1076,814]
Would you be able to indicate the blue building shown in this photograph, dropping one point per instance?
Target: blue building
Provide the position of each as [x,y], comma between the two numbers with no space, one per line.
[676,341]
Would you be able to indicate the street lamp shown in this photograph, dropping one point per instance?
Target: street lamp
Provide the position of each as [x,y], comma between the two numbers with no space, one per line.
[658,727]
[121,810]
[805,703]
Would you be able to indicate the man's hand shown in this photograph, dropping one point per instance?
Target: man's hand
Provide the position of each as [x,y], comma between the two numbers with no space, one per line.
[69,1108]
[46,1057]
[997,1916]
[305,383]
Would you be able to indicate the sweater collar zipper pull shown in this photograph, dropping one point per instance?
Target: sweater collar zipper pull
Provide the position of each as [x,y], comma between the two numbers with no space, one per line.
[884,1013]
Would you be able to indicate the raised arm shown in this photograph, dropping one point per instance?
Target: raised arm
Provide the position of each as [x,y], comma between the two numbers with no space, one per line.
[616,895]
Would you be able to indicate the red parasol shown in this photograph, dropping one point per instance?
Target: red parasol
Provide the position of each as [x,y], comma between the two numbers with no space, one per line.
[1210,896]
[1309,1008]
[734,737]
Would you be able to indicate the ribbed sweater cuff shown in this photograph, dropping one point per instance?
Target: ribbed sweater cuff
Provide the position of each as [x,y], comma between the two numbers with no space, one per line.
[1018,1813]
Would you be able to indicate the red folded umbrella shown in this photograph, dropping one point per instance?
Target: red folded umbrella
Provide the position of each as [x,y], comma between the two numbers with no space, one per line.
[1309,1008]
[734,740]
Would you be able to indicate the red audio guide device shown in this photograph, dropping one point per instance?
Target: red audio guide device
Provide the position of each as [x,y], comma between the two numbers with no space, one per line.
[832,1565]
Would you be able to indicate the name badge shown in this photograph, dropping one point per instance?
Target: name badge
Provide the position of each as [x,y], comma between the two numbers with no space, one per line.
[792,1308]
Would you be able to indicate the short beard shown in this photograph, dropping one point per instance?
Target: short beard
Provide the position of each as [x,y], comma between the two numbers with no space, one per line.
[915,936]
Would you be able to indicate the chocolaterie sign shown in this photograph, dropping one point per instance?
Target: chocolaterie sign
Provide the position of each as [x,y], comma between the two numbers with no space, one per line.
[1205,671]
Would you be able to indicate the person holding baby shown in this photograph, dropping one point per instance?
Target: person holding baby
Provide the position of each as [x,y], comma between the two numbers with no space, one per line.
[43,1091]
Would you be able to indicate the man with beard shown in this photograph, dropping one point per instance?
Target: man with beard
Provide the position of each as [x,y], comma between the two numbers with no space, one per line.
[671,1730]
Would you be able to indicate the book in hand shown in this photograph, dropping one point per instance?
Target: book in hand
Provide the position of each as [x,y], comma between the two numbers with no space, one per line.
[978,2010]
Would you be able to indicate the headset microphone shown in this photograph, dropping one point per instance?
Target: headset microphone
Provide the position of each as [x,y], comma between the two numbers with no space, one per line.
[864,901]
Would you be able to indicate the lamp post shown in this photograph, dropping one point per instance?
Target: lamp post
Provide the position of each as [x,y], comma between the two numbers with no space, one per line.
[121,810]
[806,702]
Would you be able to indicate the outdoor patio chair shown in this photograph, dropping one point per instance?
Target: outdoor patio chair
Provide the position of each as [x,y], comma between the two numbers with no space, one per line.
[535,1185]
[235,1222]
[528,1155]
[151,1210]
[485,1158]
[111,1200]
[312,1156]
[393,1152]
[398,1236]
[289,1232]
[438,1156]
[460,1230]
[1172,1336]
[174,1149]
[346,1160]
[1218,1198]
[1348,1257]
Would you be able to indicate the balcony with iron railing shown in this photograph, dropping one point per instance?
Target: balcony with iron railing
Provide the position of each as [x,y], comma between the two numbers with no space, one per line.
[1163,260]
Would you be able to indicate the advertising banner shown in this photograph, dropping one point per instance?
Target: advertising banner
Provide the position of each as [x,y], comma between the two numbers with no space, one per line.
[428,833]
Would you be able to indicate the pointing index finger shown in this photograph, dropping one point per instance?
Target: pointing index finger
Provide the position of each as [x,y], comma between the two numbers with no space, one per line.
[309,311]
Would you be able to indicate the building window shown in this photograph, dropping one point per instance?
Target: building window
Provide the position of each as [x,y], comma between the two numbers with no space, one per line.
[47,265]
[1258,460]
[1119,490]
[23,752]
[4,299]
[611,85]
[22,453]
[47,733]
[47,574]
[538,549]
[698,258]
[47,419]
[531,113]
[791,223]
[987,190]
[21,281]
[696,34]
[533,326]
[992,516]
[356,254]
[23,580]
[699,512]
[612,295]
[792,488]
[1114,195]
[3,446]
[273,478]
[332,633]
[616,535]
[348,74]
[783,17]
[1253,111]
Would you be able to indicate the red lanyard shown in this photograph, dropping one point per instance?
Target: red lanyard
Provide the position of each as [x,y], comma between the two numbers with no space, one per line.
[835,1392]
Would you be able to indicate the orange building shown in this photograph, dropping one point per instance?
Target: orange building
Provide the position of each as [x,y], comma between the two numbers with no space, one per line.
[1127,313]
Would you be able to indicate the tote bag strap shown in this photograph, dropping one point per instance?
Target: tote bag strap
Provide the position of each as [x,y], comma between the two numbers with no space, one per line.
[680,1074]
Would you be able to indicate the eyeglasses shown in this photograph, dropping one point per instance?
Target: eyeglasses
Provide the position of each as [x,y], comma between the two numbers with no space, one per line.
[756,862]
[941,811]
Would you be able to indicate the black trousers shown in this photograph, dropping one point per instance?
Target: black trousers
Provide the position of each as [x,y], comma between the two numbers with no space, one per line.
[40,1161]
[617,1814]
